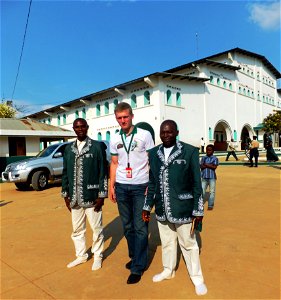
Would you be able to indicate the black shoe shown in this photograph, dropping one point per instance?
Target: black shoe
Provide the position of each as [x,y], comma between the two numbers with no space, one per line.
[128,265]
[250,166]
[133,278]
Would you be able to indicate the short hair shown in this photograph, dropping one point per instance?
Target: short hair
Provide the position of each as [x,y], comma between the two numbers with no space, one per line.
[80,120]
[170,122]
[211,146]
[123,106]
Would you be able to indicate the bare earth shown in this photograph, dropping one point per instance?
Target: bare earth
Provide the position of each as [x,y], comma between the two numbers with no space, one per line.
[240,246]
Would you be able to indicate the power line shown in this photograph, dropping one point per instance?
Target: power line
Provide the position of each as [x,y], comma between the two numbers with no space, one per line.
[16,80]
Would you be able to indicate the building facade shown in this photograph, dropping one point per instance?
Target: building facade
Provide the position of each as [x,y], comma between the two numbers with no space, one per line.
[223,96]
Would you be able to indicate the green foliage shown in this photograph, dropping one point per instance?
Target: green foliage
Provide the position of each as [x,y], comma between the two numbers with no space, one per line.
[272,123]
[7,111]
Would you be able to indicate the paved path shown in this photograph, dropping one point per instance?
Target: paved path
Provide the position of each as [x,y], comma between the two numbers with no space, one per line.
[240,246]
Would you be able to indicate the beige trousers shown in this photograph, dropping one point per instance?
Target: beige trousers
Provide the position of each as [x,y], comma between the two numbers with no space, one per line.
[79,216]
[171,233]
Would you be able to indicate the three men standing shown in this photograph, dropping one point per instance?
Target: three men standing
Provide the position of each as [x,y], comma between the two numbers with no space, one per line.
[129,175]
[84,187]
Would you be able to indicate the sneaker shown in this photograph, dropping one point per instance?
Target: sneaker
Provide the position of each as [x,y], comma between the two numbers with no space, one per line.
[76,262]
[97,265]
[201,289]
[163,276]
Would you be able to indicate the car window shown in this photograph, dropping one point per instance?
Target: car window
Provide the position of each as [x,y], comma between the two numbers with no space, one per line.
[47,151]
[61,149]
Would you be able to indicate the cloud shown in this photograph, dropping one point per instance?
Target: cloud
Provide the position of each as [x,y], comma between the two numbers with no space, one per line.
[267,16]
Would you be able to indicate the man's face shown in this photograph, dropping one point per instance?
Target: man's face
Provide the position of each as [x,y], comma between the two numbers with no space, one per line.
[81,129]
[168,134]
[124,119]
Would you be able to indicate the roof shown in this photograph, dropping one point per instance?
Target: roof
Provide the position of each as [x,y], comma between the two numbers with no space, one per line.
[207,60]
[29,127]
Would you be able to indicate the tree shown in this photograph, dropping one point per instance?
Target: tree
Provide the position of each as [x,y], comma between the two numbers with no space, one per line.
[272,123]
[7,111]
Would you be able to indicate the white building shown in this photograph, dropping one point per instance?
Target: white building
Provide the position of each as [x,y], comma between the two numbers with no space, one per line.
[223,96]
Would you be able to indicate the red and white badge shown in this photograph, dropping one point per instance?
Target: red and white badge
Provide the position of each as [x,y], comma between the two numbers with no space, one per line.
[129,173]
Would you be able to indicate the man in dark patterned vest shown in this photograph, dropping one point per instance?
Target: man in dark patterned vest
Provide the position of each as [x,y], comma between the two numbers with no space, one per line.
[175,190]
[84,187]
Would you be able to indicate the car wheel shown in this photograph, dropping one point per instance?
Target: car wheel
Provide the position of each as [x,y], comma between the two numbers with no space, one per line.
[39,180]
[22,186]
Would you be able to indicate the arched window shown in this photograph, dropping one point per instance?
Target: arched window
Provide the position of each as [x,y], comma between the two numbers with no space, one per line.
[239,90]
[230,86]
[58,120]
[99,136]
[64,119]
[117,130]
[106,108]
[49,120]
[178,99]
[244,91]
[98,110]
[134,101]
[248,93]
[211,79]
[76,114]
[262,98]
[235,135]
[169,97]
[84,113]
[224,84]
[210,134]
[108,136]
[146,98]
[259,98]
[253,95]
[115,102]
[218,82]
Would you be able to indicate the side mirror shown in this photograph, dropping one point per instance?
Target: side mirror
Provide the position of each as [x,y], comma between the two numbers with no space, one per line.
[57,155]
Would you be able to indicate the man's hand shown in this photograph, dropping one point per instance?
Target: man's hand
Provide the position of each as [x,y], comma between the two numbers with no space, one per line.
[67,203]
[198,222]
[145,216]
[98,204]
[112,195]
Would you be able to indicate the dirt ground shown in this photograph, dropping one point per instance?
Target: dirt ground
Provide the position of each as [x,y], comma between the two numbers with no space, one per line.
[240,246]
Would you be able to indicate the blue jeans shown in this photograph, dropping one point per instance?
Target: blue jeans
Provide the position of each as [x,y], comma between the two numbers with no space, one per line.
[130,201]
[212,186]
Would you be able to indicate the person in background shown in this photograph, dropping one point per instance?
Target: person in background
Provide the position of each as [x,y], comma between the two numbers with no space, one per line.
[270,153]
[128,184]
[84,187]
[254,152]
[231,150]
[175,190]
[202,144]
[208,166]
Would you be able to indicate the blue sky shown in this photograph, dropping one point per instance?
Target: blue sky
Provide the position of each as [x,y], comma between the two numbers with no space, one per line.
[75,48]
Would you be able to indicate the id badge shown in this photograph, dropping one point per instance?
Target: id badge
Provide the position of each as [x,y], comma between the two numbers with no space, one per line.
[129,173]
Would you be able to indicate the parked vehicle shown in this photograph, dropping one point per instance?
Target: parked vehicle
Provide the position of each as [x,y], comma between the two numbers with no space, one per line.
[46,166]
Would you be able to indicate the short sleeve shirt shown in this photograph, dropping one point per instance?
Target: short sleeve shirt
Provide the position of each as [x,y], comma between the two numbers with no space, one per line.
[141,141]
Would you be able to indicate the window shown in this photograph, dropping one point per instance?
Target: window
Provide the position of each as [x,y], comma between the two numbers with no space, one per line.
[98,110]
[106,108]
[115,102]
[248,93]
[259,98]
[262,98]
[49,120]
[117,130]
[99,136]
[178,99]
[64,119]
[244,91]
[84,113]
[146,98]
[169,97]
[76,114]
[108,136]
[211,79]
[239,90]
[218,82]
[224,84]
[230,86]
[210,133]
[235,135]
[58,120]
[134,101]
[252,94]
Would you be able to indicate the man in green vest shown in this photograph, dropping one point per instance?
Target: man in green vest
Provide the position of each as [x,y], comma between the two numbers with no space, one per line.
[175,190]
[84,187]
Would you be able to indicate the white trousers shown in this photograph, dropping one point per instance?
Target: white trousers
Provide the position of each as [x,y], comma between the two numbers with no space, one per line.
[169,234]
[79,229]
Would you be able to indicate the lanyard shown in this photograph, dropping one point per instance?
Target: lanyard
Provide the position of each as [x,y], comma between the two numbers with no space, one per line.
[127,150]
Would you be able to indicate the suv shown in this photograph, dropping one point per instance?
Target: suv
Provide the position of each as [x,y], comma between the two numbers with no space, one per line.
[37,171]
[46,165]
